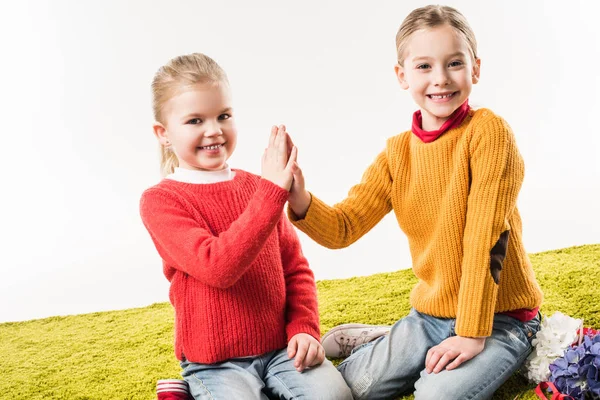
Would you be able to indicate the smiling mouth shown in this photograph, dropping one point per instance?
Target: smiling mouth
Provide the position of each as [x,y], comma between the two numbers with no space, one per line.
[441,96]
[212,147]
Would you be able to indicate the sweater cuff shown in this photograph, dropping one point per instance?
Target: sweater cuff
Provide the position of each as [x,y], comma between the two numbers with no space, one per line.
[313,221]
[293,329]
[475,316]
[462,329]
[271,192]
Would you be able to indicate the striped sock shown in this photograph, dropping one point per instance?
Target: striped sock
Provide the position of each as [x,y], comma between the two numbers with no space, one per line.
[172,389]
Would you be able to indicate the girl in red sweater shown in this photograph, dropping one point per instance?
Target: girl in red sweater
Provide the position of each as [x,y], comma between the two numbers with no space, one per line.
[246,318]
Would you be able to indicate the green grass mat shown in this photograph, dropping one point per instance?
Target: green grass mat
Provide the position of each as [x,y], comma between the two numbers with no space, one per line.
[121,354]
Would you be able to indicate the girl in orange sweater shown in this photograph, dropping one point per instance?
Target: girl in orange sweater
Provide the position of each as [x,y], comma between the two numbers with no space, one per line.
[452,182]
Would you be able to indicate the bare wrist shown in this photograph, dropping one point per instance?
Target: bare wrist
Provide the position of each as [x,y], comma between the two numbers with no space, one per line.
[300,203]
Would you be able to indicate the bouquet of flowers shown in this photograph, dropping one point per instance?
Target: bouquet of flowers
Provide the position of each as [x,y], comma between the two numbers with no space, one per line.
[567,356]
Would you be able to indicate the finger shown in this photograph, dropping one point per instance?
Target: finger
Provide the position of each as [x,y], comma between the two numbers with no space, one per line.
[273,134]
[428,357]
[297,170]
[292,346]
[311,355]
[276,148]
[289,141]
[444,360]
[300,355]
[457,361]
[281,135]
[321,356]
[282,145]
[292,160]
[271,147]
[433,356]
[289,144]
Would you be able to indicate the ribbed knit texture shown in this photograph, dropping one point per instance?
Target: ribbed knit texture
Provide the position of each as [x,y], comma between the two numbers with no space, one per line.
[240,285]
[453,198]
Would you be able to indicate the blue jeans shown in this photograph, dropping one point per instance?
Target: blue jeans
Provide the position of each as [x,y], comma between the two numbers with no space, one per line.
[394,364]
[270,376]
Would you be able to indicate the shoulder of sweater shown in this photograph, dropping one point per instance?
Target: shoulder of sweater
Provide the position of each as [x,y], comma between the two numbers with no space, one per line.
[155,198]
[164,187]
[396,140]
[160,187]
[393,146]
[485,118]
[157,193]
[487,124]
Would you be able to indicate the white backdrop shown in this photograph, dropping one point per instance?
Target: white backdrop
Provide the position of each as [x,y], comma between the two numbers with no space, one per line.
[78,149]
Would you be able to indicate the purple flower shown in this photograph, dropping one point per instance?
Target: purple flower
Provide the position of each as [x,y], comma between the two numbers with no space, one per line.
[577,372]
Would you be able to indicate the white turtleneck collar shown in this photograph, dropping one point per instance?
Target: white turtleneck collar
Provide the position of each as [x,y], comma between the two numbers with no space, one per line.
[204,177]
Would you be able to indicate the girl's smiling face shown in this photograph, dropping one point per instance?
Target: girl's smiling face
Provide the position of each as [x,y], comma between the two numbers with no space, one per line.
[199,127]
[439,72]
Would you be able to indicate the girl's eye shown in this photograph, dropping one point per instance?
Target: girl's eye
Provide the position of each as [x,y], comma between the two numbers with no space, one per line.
[223,117]
[455,64]
[195,121]
[423,66]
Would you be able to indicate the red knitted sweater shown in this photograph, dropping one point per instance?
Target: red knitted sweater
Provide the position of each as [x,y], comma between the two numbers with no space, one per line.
[240,285]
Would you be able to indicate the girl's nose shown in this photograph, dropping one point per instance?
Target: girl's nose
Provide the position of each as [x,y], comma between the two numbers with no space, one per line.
[213,129]
[441,78]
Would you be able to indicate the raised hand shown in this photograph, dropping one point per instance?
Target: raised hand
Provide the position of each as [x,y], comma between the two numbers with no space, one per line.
[278,161]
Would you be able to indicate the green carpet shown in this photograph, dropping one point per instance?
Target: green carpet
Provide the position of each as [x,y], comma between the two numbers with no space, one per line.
[121,354]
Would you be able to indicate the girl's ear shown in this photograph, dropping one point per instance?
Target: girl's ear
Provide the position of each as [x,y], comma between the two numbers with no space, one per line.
[401,76]
[476,70]
[161,134]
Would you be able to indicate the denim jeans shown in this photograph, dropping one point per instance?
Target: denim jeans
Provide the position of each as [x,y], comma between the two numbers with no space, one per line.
[394,364]
[270,376]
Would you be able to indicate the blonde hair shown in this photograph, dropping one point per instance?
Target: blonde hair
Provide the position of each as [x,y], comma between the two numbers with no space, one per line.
[170,79]
[431,17]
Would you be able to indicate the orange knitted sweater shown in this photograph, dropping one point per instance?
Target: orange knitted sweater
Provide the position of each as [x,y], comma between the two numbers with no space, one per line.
[455,199]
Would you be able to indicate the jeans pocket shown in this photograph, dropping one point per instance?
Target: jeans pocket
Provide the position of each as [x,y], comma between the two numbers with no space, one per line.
[532,327]
[516,331]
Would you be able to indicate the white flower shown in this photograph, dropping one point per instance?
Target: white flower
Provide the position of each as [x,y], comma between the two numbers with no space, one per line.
[556,334]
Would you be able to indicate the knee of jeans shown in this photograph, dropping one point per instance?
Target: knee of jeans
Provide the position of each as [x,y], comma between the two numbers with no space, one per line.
[360,388]
[328,391]
[338,392]
[426,389]
[436,393]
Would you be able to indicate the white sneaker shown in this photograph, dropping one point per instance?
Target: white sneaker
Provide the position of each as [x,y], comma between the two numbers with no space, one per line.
[342,339]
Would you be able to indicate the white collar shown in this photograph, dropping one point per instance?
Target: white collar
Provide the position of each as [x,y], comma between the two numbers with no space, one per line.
[197,176]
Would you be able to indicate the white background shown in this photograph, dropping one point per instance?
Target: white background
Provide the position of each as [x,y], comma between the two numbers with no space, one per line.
[78,150]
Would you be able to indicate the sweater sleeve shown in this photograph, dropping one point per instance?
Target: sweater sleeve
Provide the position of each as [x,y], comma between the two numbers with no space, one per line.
[302,314]
[497,174]
[346,222]
[187,244]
